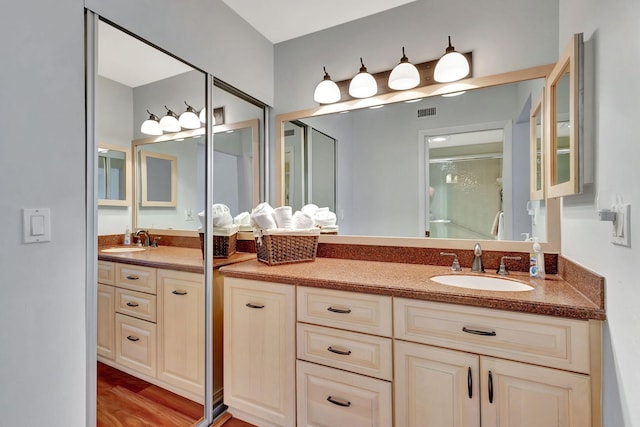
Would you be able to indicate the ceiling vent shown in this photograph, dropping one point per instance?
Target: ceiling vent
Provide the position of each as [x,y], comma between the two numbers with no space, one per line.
[427,112]
[289,132]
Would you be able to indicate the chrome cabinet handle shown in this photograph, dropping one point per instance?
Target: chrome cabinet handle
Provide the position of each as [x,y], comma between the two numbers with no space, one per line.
[252,305]
[132,338]
[133,304]
[470,383]
[490,387]
[132,277]
[479,332]
[177,292]
[336,351]
[339,310]
[338,402]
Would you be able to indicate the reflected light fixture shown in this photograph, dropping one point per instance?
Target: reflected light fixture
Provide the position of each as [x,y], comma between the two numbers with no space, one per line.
[449,95]
[327,91]
[203,117]
[363,85]
[189,119]
[405,75]
[169,123]
[451,66]
[151,126]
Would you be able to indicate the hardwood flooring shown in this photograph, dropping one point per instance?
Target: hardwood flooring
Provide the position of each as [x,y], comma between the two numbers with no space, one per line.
[126,401]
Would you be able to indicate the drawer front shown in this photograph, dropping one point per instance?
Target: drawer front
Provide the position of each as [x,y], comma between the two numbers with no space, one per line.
[364,354]
[136,278]
[330,397]
[353,311]
[136,344]
[106,273]
[137,304]
[543,340]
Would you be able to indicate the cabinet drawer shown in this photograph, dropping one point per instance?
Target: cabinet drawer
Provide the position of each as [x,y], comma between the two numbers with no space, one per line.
[137,304]
[330,397]
[136,278]
[136,344]
[106,273]
[543,340]
[354,311]
[364,354]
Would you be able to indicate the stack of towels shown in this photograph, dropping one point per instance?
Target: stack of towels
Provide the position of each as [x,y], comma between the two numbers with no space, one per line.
[310,217]
[243,221]
[223,223]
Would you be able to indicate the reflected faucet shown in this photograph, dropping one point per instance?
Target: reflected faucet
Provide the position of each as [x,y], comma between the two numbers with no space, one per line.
[147,239]
[477,259]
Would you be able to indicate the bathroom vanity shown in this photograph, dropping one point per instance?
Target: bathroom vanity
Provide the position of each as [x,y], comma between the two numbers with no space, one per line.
[349,342]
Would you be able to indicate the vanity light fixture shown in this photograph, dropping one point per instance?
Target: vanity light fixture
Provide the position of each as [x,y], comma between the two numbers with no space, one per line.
[452,66]
[405,75]
[151,126]
[327,91]
[203,116]
[189,119]
[169,123]
[363,85]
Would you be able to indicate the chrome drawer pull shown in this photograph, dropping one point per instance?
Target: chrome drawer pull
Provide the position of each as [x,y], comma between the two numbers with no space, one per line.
[177,292]
[479,332]
[132,304]
[132,338]
[338,402]
[132,277]
[252,305]
[336,351]
[340,310]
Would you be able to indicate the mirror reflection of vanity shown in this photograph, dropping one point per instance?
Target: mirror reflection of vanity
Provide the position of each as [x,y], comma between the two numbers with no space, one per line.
[387,158]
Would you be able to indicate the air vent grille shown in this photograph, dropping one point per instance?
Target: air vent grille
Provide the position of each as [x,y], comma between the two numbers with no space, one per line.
[289,132]
[427,112]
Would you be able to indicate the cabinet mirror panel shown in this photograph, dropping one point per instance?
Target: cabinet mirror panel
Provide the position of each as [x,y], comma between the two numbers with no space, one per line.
[114,175]
[537,148]
[158,179]
[449,167]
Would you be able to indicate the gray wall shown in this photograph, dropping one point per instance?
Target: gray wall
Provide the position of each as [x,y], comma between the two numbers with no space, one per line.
[42,309]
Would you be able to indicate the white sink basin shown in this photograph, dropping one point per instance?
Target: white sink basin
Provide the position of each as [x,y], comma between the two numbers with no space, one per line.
[122,250]
[485,283]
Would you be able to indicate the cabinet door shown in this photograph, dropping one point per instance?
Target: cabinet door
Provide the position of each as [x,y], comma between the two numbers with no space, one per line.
[436,387]
[517,394]
[106,321]
[259,351]
[181,331]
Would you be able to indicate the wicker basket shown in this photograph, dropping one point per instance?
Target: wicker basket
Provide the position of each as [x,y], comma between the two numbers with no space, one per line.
[223,246]
[289,248]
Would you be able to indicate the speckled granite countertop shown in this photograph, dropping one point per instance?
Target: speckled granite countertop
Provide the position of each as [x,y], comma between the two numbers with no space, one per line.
[171,258]
[552,296]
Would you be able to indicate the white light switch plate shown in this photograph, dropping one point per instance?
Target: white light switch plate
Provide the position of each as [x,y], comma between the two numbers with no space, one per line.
[621,226]
[36,225]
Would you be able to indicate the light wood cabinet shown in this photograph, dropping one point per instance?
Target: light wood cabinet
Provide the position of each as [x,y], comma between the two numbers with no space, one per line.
[136,344]
[181,330]
[259,356]
[106,321]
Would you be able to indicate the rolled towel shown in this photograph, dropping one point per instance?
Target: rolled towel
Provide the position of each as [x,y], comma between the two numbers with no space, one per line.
[325,218]
[243,218]
[265,221]
[284,217]
[263,207]
[310,209]
[302,221]
[221,215]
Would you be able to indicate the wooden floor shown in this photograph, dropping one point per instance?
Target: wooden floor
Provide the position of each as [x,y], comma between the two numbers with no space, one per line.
[126,401]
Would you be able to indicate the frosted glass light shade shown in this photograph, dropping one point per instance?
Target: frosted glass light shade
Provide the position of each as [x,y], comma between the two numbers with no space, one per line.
[189,120]
[404,76]
[203,117]
[327,91]
[151,127]
[169,123]
[451,67]
[363,85]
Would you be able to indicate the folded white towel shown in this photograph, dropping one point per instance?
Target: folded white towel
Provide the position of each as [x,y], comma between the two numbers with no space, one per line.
[263,216]
[284,217]
[310,209]
[243,218]
[221,215]
[302,221]
[325,218]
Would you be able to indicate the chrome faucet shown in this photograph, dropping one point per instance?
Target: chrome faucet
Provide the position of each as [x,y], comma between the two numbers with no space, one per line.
[477,259]
[455,266]
[147,238]
[502,270]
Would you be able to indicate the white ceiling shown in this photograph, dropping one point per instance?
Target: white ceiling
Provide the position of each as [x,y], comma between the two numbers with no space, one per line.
[280,20]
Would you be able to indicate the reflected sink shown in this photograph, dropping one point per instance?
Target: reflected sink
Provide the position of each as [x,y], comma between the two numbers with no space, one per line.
[122,250]
[485,283]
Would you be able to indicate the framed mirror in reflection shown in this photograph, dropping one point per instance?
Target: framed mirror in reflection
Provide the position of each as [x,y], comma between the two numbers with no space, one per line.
[114,175]
[447,167]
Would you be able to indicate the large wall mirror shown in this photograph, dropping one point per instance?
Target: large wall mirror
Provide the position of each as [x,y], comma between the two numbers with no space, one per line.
[114,175]
[419,163]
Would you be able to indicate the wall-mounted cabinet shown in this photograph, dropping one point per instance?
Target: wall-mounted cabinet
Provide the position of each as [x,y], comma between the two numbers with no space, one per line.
[564,133]
[537,157]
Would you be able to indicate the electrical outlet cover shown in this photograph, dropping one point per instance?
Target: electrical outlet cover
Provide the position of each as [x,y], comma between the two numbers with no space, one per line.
[621,234]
